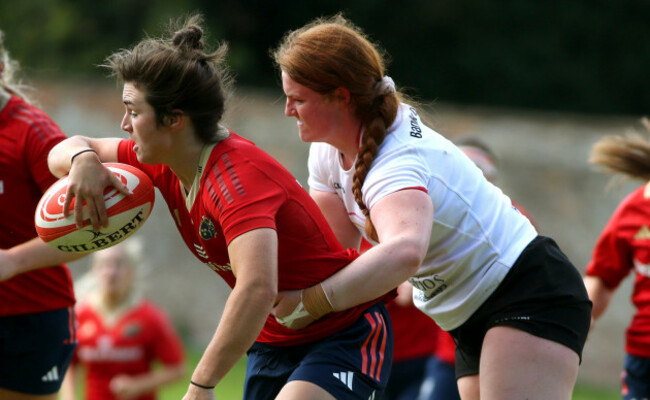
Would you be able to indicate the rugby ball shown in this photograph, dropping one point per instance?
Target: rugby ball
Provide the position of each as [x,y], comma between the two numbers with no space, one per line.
[126,214]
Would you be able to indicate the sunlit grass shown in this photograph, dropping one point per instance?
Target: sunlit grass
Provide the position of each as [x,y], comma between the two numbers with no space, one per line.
[231,388]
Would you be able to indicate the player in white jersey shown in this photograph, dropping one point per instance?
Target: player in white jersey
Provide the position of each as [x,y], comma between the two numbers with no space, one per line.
[514,303]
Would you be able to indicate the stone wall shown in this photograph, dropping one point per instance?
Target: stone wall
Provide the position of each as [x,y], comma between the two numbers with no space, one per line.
[542,165]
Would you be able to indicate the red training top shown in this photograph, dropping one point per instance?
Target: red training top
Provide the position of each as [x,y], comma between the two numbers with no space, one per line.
[241,189]
[26,136]
[624,246]
[127,346]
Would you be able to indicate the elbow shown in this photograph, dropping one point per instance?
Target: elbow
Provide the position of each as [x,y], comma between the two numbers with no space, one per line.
[411,256]
[264,293]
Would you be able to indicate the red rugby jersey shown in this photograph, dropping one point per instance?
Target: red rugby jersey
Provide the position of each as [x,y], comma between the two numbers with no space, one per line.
[243,188]
[26,136]
[623,247]
[129,345]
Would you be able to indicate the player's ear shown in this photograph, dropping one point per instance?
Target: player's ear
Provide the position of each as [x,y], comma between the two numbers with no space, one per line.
[176,119]
[342,94]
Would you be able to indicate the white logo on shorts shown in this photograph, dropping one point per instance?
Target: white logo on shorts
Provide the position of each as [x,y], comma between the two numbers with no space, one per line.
[345,377]
[52,375]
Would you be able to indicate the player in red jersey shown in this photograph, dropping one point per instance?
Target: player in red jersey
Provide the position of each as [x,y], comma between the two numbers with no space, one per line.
[36,316]
[121,333]
[242,214]
[624,247]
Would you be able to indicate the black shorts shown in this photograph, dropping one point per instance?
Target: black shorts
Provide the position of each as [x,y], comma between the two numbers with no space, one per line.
[543,294]
[35,350]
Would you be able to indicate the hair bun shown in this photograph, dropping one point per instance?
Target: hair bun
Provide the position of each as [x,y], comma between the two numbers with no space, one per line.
[189,38]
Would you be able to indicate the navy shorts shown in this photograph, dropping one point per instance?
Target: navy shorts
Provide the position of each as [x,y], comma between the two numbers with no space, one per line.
[352,364]
[35,350]
[636,378]
[542,294]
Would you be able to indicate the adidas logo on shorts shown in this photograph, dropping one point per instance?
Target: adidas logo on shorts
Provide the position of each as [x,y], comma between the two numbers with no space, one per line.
[52,375]
[345,377]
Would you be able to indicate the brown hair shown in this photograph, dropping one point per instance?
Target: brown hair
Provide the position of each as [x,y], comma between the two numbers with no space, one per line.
[177,74]
[628,155]
[329,53]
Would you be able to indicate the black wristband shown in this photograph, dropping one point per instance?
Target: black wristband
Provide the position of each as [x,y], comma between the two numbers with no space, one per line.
[201,386]
[81,152]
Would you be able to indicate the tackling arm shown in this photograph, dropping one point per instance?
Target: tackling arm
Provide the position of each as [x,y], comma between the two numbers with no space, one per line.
[403,221]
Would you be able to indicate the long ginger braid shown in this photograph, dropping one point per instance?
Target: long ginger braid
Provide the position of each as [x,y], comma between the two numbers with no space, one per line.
[374,134]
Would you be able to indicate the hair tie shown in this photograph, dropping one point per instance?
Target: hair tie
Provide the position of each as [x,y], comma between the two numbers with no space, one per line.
[385,86]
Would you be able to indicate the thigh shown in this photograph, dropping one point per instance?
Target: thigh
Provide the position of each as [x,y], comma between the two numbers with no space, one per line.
[35,351]
[636,378]
[299,390]
[11,395]
[517,365]
[468,387]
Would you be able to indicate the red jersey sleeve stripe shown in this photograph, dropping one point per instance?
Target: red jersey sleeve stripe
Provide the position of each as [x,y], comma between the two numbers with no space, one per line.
[213,195]
[221,184]
[234,179]
[44,127]
[224,189]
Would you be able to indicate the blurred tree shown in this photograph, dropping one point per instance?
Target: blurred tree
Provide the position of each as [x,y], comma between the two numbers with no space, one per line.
[576,55]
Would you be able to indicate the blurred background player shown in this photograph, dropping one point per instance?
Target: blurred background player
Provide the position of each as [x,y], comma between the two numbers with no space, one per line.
[624,247]
[121,334]
[37,335]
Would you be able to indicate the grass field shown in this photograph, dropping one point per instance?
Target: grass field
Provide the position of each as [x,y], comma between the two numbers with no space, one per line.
[231,388]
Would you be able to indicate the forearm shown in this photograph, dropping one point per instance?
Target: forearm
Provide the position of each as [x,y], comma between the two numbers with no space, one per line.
[36,254]
[599,294]
[403,221]
[59,159]
[373,274]
[243,318]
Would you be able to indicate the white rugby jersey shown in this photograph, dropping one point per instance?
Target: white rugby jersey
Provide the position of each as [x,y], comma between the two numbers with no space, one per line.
[477,233]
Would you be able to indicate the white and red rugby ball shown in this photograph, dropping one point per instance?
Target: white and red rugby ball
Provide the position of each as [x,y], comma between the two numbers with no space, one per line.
[126,214]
